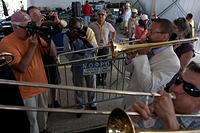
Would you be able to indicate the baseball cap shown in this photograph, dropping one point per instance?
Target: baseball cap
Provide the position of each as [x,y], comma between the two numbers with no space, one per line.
[135,10]
[144,17]
[20,16]
[128,4]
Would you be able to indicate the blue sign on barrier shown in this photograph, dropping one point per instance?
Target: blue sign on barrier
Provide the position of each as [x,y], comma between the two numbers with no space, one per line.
[96,67]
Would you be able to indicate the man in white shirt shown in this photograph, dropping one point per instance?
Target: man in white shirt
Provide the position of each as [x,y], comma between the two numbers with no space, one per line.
[154,68]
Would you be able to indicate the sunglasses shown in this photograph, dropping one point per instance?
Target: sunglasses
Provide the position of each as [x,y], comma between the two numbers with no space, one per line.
[101,14]
[189,88]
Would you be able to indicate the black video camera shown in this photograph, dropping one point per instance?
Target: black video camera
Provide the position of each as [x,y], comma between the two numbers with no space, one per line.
[50,17]
[43,31]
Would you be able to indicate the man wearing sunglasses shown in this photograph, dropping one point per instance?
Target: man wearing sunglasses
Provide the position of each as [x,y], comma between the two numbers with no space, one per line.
[28,66]
[187,91]
[102,29]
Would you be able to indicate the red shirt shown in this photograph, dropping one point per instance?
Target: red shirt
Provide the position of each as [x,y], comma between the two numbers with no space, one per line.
[140,32]
[86,10]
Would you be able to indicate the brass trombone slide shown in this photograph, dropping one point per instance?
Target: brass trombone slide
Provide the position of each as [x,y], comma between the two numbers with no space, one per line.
[118,119]
[75,88]
[6,58]
[10,107]
[62,110]
[120,49]
[82,50]
[13,82]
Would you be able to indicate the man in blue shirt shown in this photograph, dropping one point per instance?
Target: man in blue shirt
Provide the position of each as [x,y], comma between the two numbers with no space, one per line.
[73,41]
[187,101]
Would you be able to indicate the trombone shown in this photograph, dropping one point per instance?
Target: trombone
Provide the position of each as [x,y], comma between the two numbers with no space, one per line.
[20,83]
[5,58]
[118,49]
[118,122]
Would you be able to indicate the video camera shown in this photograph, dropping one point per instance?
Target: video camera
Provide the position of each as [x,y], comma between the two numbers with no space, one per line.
[43,31]
[50,17]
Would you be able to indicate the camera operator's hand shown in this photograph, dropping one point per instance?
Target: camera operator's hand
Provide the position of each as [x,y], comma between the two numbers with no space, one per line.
[33,41]
[85,41]
[63,23]
[56,19]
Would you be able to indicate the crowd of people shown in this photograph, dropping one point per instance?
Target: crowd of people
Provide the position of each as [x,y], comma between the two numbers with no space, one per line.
[165,70]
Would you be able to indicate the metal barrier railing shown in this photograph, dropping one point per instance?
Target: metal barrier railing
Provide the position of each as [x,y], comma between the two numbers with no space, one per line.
[115,81]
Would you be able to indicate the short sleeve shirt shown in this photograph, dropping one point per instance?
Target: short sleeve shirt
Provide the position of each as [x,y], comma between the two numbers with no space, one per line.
[107,28]
[34,73]
[86,10]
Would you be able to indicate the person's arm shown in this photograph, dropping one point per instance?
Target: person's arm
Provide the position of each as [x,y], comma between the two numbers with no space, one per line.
[156,72]
[143,33]
[113,35]
[137,31]
[164,109]
[86,42]
[91,11]
[53,51]
[63,23]
[27,58]
[90,36]
[130,28]
[83,10]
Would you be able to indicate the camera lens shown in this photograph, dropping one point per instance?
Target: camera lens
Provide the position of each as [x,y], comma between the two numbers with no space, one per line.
[50,17]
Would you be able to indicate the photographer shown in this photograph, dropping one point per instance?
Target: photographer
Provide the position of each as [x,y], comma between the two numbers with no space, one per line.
[74,40]
[50,20]
[28,66]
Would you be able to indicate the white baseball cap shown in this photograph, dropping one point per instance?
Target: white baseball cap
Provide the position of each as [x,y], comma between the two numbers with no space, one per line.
[144,17]
[135,10]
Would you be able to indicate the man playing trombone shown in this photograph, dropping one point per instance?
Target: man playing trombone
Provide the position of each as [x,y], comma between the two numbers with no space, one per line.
[187,91]
[152,68]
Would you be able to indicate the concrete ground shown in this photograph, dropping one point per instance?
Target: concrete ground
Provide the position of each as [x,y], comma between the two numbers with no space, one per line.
[68,123]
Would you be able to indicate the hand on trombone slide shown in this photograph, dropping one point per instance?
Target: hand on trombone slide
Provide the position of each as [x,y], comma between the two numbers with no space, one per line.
[163,108]
[144,51]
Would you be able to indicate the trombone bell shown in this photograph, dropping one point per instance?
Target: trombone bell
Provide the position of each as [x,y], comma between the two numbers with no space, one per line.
[5,58]
[120,122]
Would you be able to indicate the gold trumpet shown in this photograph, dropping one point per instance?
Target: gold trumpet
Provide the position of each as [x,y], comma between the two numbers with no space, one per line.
[5,58]
[118,49]
[120,122]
